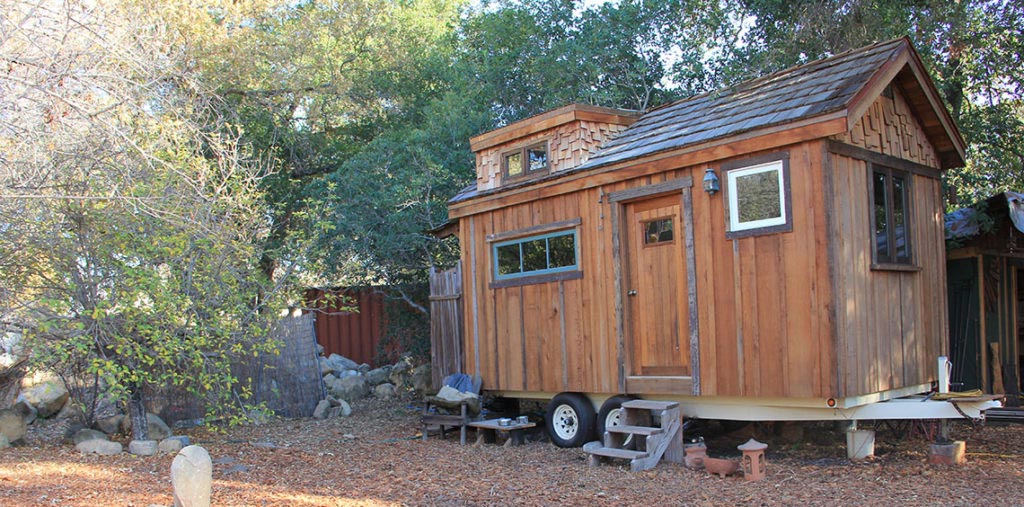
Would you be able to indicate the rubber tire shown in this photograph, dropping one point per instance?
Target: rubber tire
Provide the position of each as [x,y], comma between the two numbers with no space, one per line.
[574,416]
[609,405]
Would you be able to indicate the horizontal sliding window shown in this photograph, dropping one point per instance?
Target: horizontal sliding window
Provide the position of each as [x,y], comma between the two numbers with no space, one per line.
[535,255]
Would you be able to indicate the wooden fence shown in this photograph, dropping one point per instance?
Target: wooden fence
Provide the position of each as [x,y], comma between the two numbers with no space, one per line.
[445,323]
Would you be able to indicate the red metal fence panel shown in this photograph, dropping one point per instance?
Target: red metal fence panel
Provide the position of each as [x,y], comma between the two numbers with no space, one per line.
[355,335]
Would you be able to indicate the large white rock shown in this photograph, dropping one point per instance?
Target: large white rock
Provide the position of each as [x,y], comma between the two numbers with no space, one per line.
[101,447]
[192,477]
[12,425]
[48,397]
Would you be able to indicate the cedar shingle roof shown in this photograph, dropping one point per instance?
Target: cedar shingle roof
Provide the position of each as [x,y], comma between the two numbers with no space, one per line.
[810,90]
[817,91]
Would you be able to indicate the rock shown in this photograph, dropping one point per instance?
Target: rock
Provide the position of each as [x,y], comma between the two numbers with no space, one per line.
[102,447]
[47,397]
[348,388]
[158,429]
[86,434]
[363,369]
[27,411]
[384,391]
[325,366]
[192,477]
[333,401]
[12,425]
[110,425]
[421,379]
[343,410]
[329,379]
[320,412]
[4,443]
[224,460]
[236,469]
[378,376]
[143,447]
[319,349]
[172,444]
[341,363]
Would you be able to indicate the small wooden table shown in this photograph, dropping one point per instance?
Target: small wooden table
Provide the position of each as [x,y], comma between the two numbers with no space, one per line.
[488,431]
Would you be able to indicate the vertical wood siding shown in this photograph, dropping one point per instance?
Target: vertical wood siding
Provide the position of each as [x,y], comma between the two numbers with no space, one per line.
[892,324]
[796,314]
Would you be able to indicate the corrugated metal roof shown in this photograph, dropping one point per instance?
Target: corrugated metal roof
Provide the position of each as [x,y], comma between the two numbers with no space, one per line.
[788,96]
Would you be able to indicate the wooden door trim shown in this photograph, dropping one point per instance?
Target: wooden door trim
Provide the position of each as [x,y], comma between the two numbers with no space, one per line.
[618,201]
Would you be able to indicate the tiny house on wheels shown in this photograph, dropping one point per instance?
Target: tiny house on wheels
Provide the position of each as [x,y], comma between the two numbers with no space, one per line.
[771,251]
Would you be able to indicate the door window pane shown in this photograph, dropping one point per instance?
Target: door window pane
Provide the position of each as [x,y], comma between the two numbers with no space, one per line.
[658,231]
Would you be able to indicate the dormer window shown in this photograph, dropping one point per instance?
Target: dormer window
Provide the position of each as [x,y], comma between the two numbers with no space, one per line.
[526,162]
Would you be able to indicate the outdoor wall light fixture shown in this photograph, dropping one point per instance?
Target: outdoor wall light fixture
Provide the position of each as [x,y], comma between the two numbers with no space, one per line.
[710,181]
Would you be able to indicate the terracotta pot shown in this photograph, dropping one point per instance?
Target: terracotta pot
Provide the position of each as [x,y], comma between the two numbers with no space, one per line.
[720,467]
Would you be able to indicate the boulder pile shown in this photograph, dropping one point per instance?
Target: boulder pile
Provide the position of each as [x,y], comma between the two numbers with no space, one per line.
[346,381]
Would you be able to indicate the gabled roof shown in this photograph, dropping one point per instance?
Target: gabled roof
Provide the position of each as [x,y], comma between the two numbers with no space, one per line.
[844,85]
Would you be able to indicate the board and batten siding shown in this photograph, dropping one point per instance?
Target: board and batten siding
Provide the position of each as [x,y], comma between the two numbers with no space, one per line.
[764,316]
[891,325]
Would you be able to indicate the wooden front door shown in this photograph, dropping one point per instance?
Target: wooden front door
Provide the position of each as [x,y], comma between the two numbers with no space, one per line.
[656,288]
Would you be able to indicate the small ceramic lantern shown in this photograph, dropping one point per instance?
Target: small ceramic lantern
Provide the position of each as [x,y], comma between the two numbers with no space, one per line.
[753,460]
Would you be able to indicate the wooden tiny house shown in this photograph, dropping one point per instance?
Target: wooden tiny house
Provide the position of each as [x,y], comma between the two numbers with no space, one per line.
[777,244]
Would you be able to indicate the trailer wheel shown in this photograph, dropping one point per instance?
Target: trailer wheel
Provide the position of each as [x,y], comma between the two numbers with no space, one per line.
[570,420]
[611,415]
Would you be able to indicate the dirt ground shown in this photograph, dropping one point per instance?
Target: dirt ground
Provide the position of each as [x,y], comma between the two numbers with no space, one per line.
[374,458]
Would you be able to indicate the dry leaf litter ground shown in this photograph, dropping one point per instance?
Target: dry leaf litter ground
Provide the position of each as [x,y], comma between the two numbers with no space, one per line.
[374,459]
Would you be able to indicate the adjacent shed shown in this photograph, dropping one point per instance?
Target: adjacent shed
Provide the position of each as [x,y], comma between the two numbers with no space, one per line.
[986,294]
[773,250]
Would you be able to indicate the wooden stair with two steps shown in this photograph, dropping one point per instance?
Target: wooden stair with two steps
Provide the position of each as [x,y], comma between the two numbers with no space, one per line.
[637,440]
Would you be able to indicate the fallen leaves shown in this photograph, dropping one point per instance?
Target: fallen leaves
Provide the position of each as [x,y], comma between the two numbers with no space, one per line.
[374,458]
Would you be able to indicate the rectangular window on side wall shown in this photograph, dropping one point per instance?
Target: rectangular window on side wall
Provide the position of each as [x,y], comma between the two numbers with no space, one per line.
[757,196]
[890,218]
[536,258]
[525,162]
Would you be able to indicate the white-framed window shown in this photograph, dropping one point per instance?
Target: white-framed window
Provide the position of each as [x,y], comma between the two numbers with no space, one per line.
[757,196]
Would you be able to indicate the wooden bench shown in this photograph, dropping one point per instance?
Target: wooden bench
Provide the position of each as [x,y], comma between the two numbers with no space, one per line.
[445,421]
[489,430]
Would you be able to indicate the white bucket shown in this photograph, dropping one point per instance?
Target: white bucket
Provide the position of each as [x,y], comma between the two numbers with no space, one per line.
[860,444]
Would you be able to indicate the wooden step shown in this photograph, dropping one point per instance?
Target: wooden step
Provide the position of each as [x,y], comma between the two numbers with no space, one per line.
[634,430]
[611,452]
[650,404]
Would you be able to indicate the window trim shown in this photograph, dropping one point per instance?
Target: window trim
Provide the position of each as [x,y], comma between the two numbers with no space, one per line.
[523,152]
[535,276]
[736,168]
[892,262]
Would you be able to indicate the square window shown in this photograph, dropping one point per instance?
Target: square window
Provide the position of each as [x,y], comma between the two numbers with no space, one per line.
[514,164]
[757,199]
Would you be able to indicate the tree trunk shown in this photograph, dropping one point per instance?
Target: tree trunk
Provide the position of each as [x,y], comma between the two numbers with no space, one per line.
[137,413]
